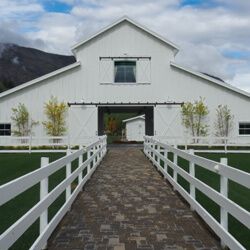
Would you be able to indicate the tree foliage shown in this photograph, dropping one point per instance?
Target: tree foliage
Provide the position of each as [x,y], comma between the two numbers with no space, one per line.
[23,123]
[55,112]
[112,125]
[194,117]
[224,121]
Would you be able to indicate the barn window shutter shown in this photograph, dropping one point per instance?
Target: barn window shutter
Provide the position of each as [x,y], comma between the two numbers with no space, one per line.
[106,70]
[143,68]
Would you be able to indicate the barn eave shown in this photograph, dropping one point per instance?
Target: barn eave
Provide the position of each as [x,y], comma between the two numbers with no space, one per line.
[211,79]
[39,79]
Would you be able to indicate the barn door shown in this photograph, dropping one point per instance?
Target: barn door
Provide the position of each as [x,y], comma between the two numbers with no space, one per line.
[168,121]
[82,123]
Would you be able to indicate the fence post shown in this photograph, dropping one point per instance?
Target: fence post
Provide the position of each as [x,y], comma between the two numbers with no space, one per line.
[224,192]
[89,164]
[155,149]
[68,173]
[158,158]
[99,149]
[192,173]
[95,158]
[165,154]
[152,151]
[186,141]
[102,148]
[43,192]
[30,142]
[80,161]
[105,145]
[148,148]
[175,162]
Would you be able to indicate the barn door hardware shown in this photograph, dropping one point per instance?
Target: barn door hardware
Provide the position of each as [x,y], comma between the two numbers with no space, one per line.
[124,57]
[124,103]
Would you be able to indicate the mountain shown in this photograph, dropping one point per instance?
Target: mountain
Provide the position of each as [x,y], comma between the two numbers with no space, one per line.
[20,64]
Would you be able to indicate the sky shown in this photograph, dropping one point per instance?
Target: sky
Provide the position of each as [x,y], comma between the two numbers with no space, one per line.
[213,35]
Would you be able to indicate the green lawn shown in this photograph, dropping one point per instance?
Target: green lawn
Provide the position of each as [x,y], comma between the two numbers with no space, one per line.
[15,165]
[237,193]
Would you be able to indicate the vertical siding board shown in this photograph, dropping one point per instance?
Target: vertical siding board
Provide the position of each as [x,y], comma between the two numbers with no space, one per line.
[167,83]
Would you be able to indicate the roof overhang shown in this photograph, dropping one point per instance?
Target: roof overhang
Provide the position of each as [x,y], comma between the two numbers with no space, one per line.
[140,117]
[40,79]
[211,79]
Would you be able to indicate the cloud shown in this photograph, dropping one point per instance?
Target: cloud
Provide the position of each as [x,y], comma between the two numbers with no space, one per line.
[9,35]
[210,36]
[242,81]
[239,5]
[58,30]
[15,8]
[204,58]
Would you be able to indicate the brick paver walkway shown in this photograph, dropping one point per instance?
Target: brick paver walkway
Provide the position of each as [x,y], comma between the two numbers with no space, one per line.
[128,205]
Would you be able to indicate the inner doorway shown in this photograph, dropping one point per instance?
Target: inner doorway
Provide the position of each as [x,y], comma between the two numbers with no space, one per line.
[104,111]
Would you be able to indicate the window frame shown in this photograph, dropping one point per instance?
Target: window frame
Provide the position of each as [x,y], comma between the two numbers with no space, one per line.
[242,122]
[4,129]
[125,60]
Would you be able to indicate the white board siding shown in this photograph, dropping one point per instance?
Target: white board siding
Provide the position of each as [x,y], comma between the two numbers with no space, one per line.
[106,71]
[167,83]
[143,70]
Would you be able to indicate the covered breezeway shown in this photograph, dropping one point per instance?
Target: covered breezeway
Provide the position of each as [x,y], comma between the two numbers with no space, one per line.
[148,111]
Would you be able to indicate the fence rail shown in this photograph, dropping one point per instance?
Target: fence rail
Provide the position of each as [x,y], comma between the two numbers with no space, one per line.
[95,153]
[157,151]
[208,141]
[49,141]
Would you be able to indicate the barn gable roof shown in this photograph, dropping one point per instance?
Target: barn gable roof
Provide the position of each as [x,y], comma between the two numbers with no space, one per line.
[210,79]
[140,117]
[39,79]
[131,21]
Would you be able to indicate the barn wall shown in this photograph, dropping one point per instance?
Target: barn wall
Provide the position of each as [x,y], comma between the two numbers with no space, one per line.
[166,84]
[67,86]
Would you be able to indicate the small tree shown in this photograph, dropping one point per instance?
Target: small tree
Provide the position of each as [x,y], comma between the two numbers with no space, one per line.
[56,117]
[112,125]
[23,124]
[224,121]
[194,117]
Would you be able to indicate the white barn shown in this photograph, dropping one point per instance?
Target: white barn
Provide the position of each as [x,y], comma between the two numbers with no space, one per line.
[135,128]
[125,67]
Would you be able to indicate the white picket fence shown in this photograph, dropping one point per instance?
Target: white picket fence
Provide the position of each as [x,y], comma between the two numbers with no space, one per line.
[95,153]
[157,151]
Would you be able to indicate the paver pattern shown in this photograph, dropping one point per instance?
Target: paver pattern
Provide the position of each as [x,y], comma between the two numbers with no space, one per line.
[128,205]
